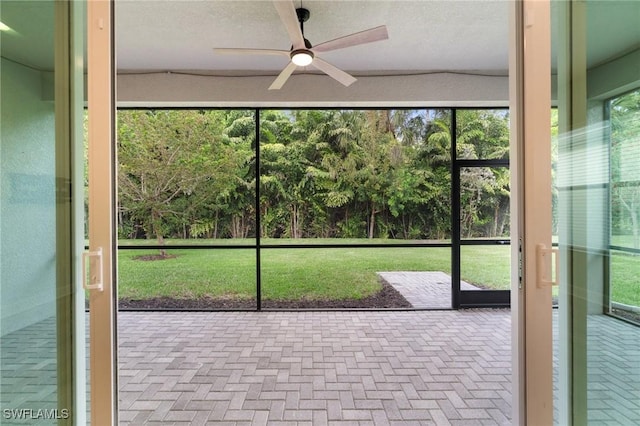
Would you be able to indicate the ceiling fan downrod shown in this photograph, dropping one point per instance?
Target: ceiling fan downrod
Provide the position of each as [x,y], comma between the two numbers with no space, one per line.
[302,57]
[303,16]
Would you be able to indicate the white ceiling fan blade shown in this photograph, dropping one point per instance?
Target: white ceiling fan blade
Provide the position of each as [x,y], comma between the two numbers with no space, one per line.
[240,51]
[283,77]
[289,17]
[332,71]
[366,36]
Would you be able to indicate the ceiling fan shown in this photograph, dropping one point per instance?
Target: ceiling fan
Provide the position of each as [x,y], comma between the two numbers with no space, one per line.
[302,53]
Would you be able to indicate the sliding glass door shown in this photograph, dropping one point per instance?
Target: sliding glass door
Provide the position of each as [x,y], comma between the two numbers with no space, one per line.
[598,158]
[42,331]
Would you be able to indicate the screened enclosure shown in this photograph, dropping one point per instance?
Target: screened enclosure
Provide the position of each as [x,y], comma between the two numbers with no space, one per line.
[313,208]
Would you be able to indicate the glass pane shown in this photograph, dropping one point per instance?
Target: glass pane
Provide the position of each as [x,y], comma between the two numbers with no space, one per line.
[202,279]
[352,176]
[482,134]
[186,177]
[554,175]
[484,202]
[394,277]
[625,286]
[625,205]
[37,371]
[597,373]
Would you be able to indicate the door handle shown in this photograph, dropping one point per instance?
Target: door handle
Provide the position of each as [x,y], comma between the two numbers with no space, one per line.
[93,281]
[544,255]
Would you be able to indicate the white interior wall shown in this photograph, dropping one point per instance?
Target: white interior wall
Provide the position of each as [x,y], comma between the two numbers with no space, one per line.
[614,77]
[27,206]
[428,89]
[433,90]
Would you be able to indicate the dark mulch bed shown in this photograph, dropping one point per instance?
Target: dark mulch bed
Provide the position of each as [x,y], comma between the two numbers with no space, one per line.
[154,257]
[628,315]
[387,297]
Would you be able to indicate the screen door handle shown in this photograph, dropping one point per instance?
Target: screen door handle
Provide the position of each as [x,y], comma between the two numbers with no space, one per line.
[544,256]
[93,281]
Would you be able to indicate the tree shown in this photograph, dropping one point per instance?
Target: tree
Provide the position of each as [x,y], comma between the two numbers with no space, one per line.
[285,193]
[237,202]
[435,155]
[483,134]
[167,158]
[355,169]
[334,168]
[323,173]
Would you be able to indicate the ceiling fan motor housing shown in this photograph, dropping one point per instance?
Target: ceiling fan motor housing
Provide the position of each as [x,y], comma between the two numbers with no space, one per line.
[303,14]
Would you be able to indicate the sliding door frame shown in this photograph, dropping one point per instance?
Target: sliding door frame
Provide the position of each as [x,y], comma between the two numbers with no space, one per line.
[102,189]
[531,304]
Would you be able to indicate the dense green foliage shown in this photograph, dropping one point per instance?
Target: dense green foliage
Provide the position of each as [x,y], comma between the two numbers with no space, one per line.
[176,168]
[323,173]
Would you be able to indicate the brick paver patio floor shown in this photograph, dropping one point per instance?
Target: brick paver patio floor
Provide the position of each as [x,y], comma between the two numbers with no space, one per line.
[424,290]
[342,368]
[296,368]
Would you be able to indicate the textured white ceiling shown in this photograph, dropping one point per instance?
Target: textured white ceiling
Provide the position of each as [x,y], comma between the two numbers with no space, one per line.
[423,35]
[31,40]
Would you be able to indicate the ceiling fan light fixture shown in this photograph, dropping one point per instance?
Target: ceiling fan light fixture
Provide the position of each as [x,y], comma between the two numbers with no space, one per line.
[302,57]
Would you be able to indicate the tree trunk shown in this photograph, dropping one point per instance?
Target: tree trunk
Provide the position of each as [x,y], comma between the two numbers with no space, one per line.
[635,226]
[245,227]
[503,220]
[294,227]
[163,252]
[234,226]
[215,225]
[372,222]
[238,229]
[120,221]
[155,217]
[405,232]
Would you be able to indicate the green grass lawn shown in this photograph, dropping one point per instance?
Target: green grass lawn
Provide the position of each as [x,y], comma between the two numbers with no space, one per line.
[321,273]
[191,274]
[311,273]
[625,278]
[340,273]
[486,266]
